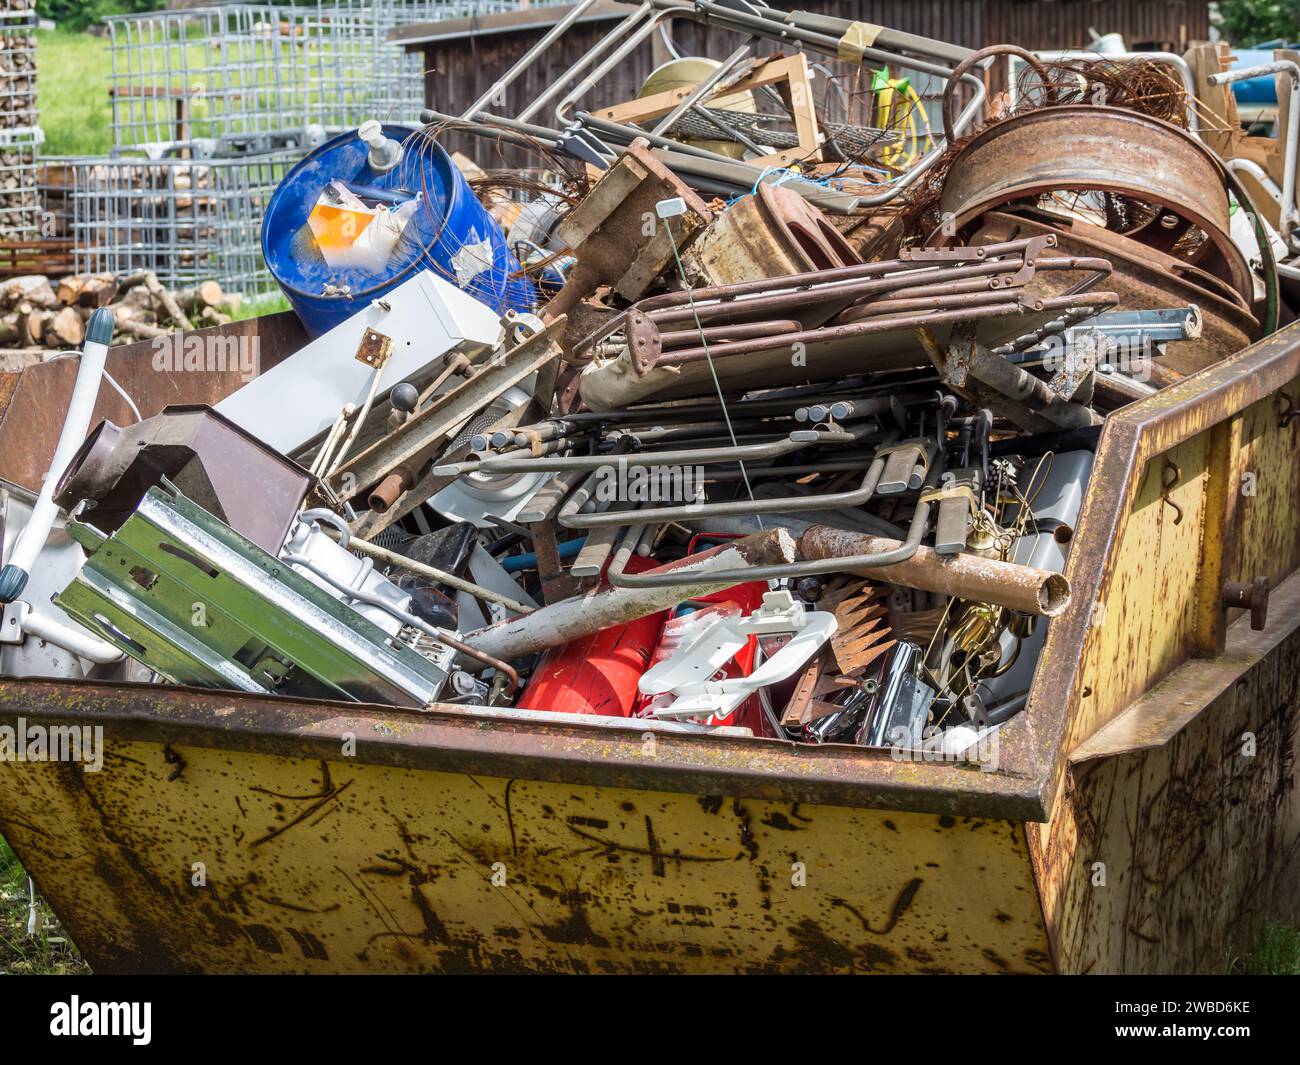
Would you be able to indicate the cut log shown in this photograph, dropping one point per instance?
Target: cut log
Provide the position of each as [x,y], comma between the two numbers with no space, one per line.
[207,294]
[212,316]
[165,299]
[34,289]
[98,291]
[66,328]
[141,330]
[31,326]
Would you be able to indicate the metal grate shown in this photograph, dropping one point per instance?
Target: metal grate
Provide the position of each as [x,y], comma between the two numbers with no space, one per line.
[17,73]
[256,77]
[188,220]
[20,198]
[249,88]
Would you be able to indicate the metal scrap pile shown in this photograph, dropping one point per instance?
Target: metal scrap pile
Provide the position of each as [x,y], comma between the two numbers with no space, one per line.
[794,441]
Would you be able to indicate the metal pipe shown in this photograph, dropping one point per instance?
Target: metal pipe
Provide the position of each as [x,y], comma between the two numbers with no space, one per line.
[701,90]
[1249,166]
[1016,384]
[889,39]
[529,57]
[354,543]
[738,507]
[974,59]
[924,269]
[504,668]
[735,331]
[848,291]
[74,640]
[891,553]
[1288,214]
[690,456]
[963,576]
[637,35]
[884,324]
[604,607]
[557,85]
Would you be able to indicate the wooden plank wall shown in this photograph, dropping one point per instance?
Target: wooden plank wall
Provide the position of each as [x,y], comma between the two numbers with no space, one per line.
[458,71]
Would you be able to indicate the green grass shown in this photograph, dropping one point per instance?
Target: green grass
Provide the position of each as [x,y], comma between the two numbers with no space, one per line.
[50,952]
[1276,953]
[72,74]
[257,306]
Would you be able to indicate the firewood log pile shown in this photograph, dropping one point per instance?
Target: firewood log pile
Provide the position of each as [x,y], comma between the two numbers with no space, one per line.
[37,312]
[19,196]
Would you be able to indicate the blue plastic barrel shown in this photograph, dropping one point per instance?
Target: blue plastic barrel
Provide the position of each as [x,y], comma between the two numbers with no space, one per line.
[451,233]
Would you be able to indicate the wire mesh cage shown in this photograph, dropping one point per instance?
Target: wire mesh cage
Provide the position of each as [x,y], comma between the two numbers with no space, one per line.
[20,134]
[188,220]
[248,88]
[253,76]
[18,121]
[20,198]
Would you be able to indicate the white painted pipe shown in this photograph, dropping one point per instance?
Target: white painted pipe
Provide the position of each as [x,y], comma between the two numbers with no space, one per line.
[77,641]
[33,910]
[94,353]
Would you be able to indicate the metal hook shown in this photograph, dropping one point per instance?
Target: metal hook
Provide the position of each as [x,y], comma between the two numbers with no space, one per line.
[1169,477]
[1288,411]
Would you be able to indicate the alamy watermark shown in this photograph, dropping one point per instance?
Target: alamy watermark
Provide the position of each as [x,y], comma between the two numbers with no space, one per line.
[621,482]
[964,747]
[77,1018]
[178,352]
[22,742]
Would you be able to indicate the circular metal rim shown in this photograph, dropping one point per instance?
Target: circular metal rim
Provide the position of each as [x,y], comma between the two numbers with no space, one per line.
[1017,189]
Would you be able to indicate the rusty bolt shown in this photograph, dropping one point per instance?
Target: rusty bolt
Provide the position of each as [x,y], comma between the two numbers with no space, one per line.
[1252,597]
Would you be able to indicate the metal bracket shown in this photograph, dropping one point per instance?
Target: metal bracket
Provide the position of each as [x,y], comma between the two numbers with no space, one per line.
[906,464]
[374,348]
[643,341]
[957,502]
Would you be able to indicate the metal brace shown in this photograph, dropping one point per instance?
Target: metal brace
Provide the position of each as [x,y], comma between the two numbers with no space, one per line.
[906,464]
[957,501]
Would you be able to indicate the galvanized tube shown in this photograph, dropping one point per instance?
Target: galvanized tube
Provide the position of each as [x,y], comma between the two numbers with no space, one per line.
[589,57]
[570,519]
[963,576]
[1287,214]
[529,57]
[692,456]
[889,39]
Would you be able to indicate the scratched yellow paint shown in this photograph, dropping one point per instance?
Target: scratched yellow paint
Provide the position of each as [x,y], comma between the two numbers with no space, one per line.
[1267,540]
[1144,617]
[308,866]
